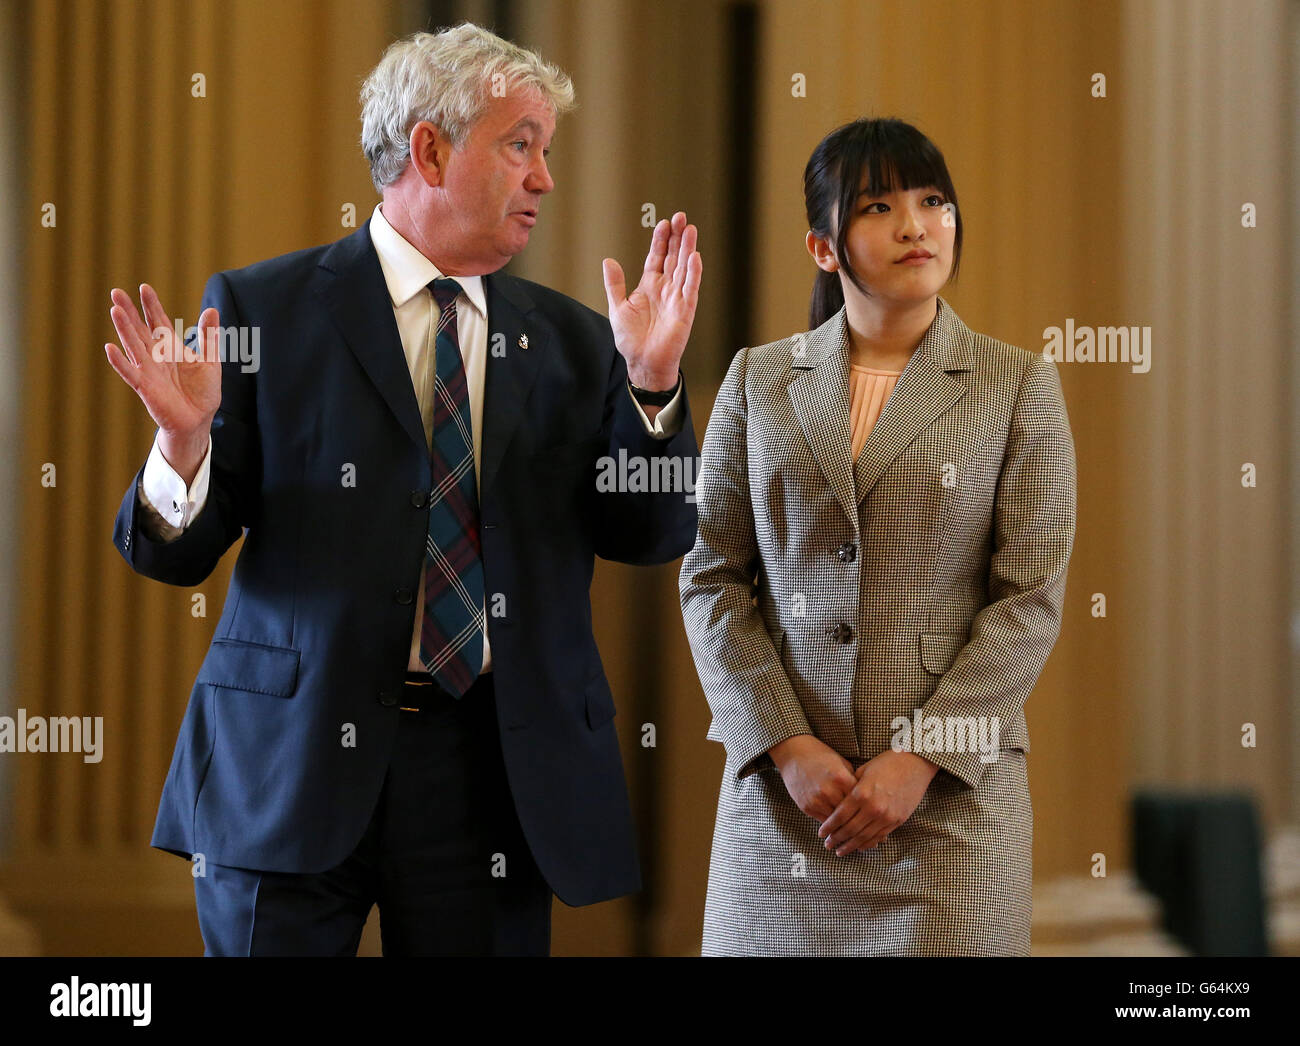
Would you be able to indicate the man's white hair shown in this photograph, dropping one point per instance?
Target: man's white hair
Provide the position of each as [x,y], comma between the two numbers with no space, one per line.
[447,78]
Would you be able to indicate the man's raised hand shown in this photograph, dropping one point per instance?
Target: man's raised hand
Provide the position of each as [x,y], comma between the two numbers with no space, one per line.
[181,390]
[652,324]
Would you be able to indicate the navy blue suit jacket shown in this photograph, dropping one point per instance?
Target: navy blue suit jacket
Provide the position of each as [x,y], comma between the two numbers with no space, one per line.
[317,624]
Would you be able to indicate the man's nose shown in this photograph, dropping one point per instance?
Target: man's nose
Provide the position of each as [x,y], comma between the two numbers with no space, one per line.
[539,178]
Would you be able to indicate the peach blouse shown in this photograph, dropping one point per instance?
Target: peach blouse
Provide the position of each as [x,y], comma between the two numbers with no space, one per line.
[869,391]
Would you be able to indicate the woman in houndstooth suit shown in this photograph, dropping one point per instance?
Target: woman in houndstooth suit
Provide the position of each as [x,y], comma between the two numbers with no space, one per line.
[886,515]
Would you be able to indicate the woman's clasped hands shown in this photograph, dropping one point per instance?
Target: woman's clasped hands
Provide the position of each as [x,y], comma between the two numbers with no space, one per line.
[857,809]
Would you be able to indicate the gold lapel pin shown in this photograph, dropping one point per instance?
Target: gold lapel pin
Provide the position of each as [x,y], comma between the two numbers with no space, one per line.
[523,341]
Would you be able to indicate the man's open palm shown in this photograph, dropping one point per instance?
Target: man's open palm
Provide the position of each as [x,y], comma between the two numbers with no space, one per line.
[652,324]
[181,394]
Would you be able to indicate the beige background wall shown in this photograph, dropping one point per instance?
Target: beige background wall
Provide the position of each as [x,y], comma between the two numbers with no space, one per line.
[1113,211]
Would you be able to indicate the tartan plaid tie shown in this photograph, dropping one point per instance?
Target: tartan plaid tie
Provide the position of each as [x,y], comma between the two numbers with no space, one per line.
[451,635]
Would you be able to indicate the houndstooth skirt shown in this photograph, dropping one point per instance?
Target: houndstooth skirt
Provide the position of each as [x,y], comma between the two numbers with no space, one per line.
[954,879]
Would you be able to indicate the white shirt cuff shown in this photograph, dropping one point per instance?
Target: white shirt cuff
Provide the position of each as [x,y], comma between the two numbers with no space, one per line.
[668,422]
[165,491]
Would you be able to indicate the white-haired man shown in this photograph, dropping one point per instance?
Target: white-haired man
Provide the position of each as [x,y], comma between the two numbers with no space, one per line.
[403,703]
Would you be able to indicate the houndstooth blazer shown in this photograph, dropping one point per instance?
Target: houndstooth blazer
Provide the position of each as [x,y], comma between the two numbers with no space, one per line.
[931,573]
[830,597]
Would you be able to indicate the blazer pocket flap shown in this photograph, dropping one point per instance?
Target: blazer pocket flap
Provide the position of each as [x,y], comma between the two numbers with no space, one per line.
[940,649]
[240,665]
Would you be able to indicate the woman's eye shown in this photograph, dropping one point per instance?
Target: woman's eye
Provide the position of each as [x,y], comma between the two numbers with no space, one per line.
[867,208]
[936,196]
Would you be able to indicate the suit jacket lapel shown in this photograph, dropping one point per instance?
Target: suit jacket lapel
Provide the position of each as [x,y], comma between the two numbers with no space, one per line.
[924,391]
[355,296]
[510,369]
[820,397]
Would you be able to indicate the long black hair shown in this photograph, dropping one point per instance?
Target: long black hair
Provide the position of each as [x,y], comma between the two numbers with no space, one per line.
[895,155]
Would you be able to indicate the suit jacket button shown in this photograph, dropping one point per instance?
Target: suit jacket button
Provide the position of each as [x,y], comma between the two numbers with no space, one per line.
[847,552]
[404,596]
[387,698]
[418,499]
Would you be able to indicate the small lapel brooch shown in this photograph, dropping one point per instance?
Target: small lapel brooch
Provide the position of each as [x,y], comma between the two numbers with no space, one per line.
[523,341]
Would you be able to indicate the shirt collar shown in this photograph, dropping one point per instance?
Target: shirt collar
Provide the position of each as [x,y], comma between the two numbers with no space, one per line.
[407,271]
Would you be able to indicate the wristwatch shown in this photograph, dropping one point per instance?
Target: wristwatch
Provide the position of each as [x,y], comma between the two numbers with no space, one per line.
[655,399]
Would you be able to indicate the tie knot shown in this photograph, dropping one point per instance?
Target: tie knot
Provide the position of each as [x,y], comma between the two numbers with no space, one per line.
[444,292]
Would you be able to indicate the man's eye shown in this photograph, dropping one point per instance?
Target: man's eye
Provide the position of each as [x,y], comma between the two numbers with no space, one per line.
[520,142]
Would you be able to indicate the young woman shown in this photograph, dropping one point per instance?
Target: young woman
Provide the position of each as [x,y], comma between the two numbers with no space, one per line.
[886,514]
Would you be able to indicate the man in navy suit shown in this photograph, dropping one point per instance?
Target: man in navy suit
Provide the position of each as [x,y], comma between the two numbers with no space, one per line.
[403,702]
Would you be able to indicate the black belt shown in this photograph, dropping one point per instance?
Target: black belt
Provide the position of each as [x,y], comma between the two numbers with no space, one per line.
[421,692]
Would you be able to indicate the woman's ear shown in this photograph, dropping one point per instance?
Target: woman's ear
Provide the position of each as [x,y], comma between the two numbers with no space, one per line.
[822,252]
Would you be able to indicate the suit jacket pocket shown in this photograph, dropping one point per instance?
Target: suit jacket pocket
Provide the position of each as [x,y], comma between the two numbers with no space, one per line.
[240,665]
[940,649]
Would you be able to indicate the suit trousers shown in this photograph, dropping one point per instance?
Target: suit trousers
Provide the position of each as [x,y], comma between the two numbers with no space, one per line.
[443,856]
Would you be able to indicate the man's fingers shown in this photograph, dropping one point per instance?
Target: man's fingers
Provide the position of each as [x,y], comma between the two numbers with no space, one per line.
[691,285]
[209,321]
[130,327]
[615,285]
[126,370]
[128,334]
[654,259]
[684,252]
[153,311]
[677,227]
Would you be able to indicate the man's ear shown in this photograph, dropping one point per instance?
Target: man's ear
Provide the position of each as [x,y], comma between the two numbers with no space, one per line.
[430,150]
[822,252]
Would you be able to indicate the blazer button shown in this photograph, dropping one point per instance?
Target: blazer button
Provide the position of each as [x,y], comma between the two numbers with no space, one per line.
[419,499]
[404,596]
[841,633]
[847,552]
[387,698]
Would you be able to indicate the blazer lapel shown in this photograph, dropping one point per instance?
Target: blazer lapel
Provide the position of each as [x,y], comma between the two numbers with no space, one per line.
[820,397]
[356,298]
[924,391]
[510,370]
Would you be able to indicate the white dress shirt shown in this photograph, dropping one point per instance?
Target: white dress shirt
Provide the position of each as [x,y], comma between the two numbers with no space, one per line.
[170,507]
